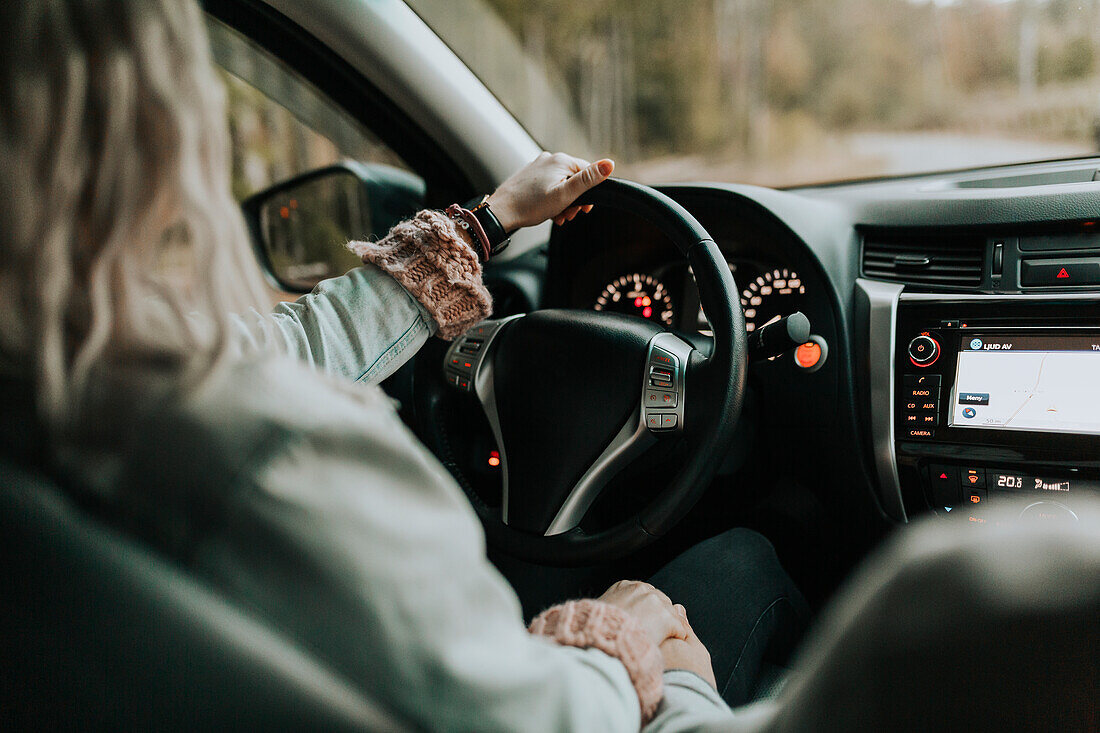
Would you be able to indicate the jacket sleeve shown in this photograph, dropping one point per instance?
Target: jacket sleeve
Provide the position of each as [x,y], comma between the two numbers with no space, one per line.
[690,703]
[422,278]
[350,538]
[361,326]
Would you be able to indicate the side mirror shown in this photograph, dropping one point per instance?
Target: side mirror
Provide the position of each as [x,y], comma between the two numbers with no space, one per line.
[300,227]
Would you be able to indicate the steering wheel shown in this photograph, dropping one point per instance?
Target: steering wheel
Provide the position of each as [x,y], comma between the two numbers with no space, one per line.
[574,396]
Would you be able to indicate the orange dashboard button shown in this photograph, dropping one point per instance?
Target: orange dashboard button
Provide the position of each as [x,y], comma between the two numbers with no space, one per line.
[808,355]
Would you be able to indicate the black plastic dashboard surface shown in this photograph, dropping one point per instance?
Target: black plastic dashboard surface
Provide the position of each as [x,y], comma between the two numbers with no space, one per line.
[816,232]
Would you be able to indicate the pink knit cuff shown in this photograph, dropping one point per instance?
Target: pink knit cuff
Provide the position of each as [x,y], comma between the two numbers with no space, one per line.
[590,623]
[430,259]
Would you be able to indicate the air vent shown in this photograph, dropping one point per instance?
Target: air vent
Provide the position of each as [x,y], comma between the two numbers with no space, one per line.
[924,259]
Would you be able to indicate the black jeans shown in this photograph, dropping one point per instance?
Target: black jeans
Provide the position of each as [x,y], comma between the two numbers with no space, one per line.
[741,604]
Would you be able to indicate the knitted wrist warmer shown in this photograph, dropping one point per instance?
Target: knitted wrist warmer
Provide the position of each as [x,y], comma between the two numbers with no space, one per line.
[430,259]
[590,623]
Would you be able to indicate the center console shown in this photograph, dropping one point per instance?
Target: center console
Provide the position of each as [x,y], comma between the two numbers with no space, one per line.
[990,402]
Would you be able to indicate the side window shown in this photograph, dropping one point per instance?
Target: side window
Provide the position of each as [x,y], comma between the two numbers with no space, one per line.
[282,127]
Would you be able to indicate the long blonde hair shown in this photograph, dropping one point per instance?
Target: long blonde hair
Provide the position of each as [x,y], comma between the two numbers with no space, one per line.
[114,157]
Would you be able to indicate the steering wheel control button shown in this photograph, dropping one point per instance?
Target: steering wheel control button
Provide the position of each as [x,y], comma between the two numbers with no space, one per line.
[659,398]
[470,346]
[660,357]
[924,350]
[662,396]
[461,364]
[467,352]
[661,377]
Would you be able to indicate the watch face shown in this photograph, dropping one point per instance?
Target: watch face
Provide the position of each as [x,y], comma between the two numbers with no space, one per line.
[491,225]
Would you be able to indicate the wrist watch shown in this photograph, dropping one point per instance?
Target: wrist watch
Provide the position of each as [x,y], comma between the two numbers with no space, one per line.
[498,238]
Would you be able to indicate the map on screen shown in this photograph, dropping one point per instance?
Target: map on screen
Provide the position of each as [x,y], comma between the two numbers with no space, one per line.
[1037,383]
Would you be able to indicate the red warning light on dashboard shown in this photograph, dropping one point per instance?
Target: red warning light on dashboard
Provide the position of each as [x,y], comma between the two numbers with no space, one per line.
[1062,274]
[494,458]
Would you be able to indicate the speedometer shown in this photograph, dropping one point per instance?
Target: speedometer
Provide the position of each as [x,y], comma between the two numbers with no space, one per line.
[770,296]
[637,295]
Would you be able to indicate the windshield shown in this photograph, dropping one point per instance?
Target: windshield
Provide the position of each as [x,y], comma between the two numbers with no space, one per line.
[789,92]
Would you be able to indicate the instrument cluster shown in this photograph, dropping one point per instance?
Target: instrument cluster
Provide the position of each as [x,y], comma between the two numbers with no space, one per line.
[769,291]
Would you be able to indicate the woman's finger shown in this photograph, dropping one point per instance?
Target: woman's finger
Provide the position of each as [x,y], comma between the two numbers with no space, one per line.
[679,626]
[658,592]
[586,178]
[575,164]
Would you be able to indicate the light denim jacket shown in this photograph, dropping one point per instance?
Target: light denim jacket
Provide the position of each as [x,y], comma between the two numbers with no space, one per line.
[362,326]
[345,533]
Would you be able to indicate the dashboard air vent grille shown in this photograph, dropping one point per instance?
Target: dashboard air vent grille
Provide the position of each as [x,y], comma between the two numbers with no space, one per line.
[924,259]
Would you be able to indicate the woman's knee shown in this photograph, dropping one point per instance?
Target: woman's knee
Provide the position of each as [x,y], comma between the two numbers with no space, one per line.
[750,557]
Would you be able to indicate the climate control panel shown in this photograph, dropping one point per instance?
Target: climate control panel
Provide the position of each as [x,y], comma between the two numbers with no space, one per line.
[972,489]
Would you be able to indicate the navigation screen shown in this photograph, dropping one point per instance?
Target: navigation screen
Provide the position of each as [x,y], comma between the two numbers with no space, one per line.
[1039,383]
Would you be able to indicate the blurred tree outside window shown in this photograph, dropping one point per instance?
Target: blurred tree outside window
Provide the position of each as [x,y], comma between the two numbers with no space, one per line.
[280,125]
[788,92]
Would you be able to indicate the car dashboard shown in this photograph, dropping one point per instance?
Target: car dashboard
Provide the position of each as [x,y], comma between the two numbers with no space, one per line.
[612,261]
[917,289]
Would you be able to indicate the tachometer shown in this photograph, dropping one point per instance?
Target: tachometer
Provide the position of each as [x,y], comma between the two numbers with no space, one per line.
[770,296]
[637,295]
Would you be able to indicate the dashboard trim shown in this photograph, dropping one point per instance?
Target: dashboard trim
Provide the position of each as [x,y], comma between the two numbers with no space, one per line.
[991,297]
[882,299]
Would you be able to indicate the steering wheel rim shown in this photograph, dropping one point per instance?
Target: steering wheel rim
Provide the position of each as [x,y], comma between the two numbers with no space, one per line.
[710,411]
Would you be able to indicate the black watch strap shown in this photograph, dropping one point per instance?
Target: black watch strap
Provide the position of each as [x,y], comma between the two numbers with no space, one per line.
[498,238]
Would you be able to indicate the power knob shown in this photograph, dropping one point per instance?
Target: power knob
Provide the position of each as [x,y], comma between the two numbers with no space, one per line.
[923,351]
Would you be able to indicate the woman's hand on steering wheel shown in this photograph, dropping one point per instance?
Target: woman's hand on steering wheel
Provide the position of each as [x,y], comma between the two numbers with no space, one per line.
[544,189]
[551,476]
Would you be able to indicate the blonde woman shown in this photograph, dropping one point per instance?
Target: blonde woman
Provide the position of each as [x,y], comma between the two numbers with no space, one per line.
[236,444]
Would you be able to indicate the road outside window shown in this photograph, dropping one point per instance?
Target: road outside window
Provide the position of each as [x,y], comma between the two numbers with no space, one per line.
[786,92]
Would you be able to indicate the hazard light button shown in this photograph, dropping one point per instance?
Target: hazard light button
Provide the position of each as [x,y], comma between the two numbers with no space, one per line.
[945,485]
[1061,272]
